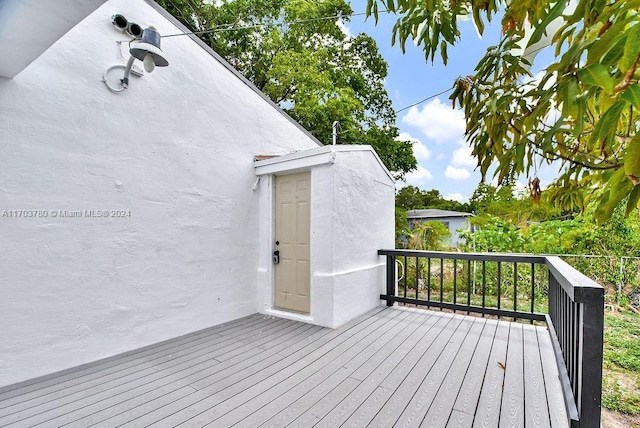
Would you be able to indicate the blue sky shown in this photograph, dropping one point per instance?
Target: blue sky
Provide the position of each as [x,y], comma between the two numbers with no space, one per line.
[434,127]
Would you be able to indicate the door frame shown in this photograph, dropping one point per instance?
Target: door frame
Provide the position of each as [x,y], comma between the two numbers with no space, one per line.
[274,237]
[312,161]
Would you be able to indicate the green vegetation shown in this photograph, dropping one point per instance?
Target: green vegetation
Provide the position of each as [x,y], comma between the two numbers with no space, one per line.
[429,235]
[413,198]
[314,71]
[579,234]
[621,383]
[622,347]
[582,113]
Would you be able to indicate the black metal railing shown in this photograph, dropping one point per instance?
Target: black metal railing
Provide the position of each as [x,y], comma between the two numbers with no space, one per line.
[576,324]
[502,285]
[518,287]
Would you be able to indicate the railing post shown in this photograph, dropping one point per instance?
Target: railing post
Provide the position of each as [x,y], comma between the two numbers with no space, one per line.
[391,278]
[592,348]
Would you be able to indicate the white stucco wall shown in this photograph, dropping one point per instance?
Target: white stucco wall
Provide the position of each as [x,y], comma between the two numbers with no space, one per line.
[364,222]
[176,151]
[30,27]
[352,217]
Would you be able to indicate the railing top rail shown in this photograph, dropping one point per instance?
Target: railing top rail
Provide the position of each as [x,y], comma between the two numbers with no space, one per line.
[579,287]
[489,257]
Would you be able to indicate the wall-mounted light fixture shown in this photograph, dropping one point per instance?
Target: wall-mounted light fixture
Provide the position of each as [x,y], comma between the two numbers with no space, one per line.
[147,50]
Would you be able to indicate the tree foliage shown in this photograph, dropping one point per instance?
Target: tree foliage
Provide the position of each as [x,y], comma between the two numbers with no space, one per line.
[413,198]
[403,231]
[429,235]
[582,114]
[307,65]
[512,205]
[617,237]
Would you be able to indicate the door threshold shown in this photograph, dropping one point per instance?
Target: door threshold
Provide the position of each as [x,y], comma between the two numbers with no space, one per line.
[295,316]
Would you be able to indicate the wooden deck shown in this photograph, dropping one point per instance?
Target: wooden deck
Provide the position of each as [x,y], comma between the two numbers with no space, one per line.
[392,367]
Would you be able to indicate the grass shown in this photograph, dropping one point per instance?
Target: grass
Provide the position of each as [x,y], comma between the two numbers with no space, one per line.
[491,300]
[621,376]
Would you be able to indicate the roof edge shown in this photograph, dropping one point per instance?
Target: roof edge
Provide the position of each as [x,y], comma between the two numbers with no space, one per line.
[229,67]
[275,159]
[439,214]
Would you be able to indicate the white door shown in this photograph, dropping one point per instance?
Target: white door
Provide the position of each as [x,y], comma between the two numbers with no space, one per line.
[292,273]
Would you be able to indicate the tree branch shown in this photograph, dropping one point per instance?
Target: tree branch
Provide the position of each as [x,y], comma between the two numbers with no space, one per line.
[628,76]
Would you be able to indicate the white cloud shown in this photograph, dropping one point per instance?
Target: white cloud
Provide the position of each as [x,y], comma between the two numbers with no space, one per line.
[462,158]
[456,173]
[343,27]
[455,197]
[519,186]
[520,189]
[420,151]
[437,120]
[418,178]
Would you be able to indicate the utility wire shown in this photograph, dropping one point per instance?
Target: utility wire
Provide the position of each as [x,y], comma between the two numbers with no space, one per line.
[426,99]
[232,27]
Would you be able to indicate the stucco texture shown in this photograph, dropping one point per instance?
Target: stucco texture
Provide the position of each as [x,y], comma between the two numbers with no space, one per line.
[352,217]
[173,155]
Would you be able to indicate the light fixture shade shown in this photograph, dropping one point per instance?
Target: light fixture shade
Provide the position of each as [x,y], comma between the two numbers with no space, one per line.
[150,44]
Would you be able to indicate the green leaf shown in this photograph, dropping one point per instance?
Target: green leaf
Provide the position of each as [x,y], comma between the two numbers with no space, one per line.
[477,19]
[597,75]
[608,41]
[569,92]
[634,198]
[613,55]
[632,160]
[391,5]
[632,96]
[581,108]
[443,52]
[630,49]
[541,28]
[605,129]
[618,188]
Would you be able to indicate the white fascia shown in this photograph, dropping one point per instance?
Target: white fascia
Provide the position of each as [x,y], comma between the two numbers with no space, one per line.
[304,160]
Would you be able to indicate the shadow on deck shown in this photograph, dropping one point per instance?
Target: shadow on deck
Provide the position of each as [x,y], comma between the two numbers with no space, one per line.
[392,367]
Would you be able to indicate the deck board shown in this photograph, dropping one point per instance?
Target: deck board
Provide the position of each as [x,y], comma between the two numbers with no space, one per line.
[315,380]
[390,367]
[377,368]
[302,401]
[202,356]
[424,397]
[133,359]
[535,401]
[512,412]
[555,398]
[469,394]
[393,408]
[288,374]
[223,373]
[488,408]
[442,404]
